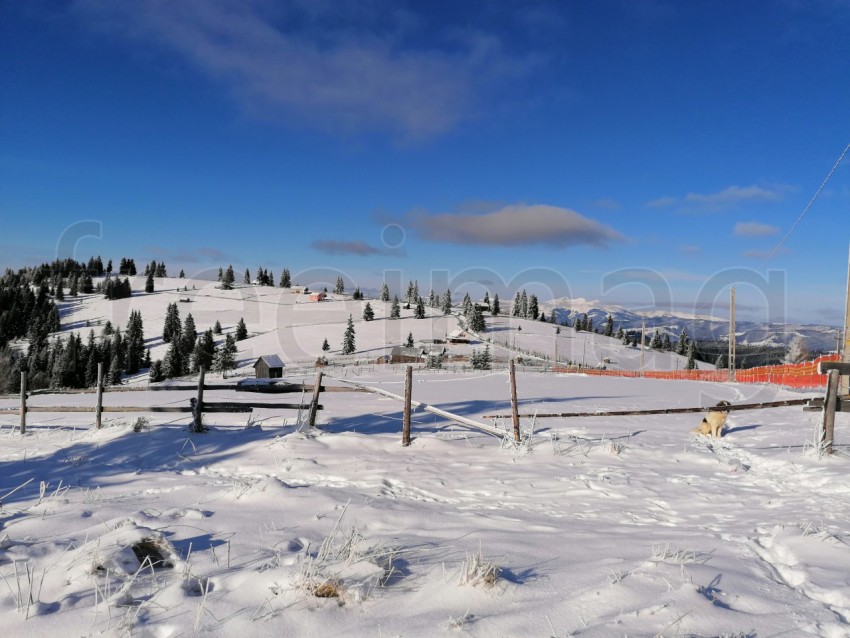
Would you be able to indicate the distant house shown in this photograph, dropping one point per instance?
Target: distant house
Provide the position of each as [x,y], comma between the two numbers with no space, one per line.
[268,367]
[318,296]
[458,336]
[400,354]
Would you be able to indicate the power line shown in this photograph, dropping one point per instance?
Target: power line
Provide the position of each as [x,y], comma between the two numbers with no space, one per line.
[809,205]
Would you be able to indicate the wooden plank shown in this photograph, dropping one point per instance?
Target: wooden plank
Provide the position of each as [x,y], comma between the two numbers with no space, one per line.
[731,408]
[514,403]
[314,403]
[408,397]
[489,429]
[829,404]
[842,368]
[23,410]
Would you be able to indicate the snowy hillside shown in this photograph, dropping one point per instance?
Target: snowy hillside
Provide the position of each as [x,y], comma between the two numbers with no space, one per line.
[600,527]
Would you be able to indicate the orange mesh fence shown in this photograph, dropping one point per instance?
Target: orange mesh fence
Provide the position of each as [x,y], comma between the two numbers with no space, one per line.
[793,375]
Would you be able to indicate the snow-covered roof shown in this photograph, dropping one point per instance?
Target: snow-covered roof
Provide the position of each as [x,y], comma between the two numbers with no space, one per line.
[272,361]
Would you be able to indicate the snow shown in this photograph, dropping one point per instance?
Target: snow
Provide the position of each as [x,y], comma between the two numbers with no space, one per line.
[602,526]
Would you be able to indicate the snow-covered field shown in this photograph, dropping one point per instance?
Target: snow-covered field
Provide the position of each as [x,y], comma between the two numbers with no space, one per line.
[604,526]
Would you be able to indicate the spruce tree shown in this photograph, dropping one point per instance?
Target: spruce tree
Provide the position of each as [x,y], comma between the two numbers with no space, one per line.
[325,345]
[348,346]
[656,343]
[496,308]
[149,283]
[217,327]
[241,330]
[60,290]
[114,371]
[523,304]
[246,278]
[156,373]
[609,326]
[173,363]
[533,311]
[433,302]
[395,311]
[665,343]
[409,342]
[515,309]
[220,274]
[385,292]
[188,337]
[285,279]
[486,300]
[691,364]
[420,309]
[447,302]
[368,313]
[229,278]
[340,286]
[476,321]
[682,346]
[720,363]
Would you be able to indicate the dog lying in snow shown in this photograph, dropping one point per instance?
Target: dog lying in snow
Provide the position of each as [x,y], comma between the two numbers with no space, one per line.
[712,424]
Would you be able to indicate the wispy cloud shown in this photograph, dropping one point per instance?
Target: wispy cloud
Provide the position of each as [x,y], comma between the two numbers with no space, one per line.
[358,248]
[337,66]
[764,254]
[755,229]
[514,225]
[726,199]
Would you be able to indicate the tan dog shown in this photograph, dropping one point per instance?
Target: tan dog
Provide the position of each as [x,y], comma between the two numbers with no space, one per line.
[712,424]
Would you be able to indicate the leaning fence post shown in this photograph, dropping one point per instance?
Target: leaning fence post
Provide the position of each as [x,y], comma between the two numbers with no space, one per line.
[314,403]
[514,406]
[99,408]
[829,405]
[23,401]
[198,422]
[408,396]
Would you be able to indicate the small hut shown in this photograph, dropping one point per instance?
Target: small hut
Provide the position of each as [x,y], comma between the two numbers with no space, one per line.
[318,296]
[268,367]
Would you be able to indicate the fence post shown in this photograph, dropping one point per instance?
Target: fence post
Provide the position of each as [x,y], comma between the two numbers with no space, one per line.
[23,401]
[99,408]
[829,406]
[514,406]
[198,422]
[408,397]
[314,403]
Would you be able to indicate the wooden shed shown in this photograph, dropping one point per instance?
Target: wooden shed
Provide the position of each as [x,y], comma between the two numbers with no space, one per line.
[268,367]
[400,354]
[318,296]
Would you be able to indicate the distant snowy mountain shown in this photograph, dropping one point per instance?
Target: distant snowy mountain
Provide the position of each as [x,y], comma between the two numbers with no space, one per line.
[819,338]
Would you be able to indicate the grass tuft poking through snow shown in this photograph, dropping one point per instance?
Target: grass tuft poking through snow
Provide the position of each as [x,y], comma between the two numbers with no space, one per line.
[479,572]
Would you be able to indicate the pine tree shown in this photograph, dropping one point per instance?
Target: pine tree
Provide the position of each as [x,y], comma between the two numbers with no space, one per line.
[173,364]
[485,358]
[620,333]
[476,321]
[109,267]
[229,278]
[409,342]
[720,363]
[225,356]
[246,278]
[666,346]
[496,308]
[515,309]
[533,310]
[357,295]
[156,373]
[149,283]
[217,327]
[340,286]
[420,309]
[241,330]
[409,295]
[285,279]
[74,290]
[171,328]
[114,371]
[433,302]
[656,343]
[682,346]
[325,345]
[368,313]
[523,304]
[486,300]
[220,274]
[395,311]
[385,292]
[348,346]
[447,302]
[188,337]
[60,290]
[182,274]
[691,364]
[609,326]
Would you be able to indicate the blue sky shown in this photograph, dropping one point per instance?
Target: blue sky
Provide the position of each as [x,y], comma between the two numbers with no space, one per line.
[646,153]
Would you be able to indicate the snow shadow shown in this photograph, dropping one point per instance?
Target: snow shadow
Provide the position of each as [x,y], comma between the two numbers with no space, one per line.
[87,462]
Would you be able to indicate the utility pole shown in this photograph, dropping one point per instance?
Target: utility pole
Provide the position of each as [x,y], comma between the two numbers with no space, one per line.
[845,354]
[642,340]
[732,334]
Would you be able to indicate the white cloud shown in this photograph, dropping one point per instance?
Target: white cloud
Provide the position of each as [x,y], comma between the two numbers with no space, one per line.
[333,65]
[515,225]
[755,229]
[727,198]
[357,247]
